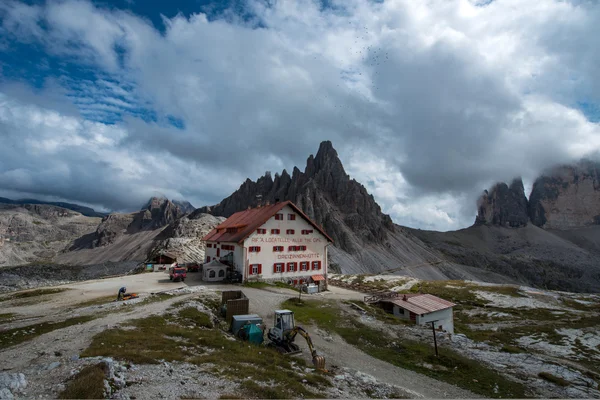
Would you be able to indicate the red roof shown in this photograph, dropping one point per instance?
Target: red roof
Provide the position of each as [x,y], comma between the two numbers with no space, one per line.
[318,278]
[421,303]
[248,221]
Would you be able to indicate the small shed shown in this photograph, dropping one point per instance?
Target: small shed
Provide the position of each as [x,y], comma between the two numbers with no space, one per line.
[214,271]
[422,309]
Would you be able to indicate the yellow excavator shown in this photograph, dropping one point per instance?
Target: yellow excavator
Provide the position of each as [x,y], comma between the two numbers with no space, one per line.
[283,333]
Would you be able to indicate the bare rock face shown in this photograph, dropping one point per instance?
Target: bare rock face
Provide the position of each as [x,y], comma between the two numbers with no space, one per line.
[158,213]
[183,237]
[503,205]
[567,197]
[325,193]
[37,232]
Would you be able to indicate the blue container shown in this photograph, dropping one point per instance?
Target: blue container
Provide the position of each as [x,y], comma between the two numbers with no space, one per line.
[239,321]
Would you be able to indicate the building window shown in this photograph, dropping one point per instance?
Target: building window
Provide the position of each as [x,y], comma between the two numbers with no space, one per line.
[301,248]
[211,274]
[290,231]
[279,217]
[228,247]
[255,269]
[316,265]
[275,231]
[304,266]
[209,245]
[208,259]
[261,231]
[254,249]
[307,231]
[277,248]
[278,267]
[221,273]
[400,311]
[292,248]
[291,217]
[291,267]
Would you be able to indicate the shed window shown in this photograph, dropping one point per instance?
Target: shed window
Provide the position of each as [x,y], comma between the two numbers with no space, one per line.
[211,274]
[221,273]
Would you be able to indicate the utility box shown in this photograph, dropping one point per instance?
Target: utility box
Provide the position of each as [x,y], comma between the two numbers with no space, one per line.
[310,289]
[238,321]
[234,302]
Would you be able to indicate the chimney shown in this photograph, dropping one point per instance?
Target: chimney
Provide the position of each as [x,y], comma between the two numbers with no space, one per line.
[267,203]
[276,200]
[404,298]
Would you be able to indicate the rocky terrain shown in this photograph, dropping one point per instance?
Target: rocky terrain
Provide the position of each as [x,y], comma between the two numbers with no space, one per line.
[567,197]
[37,232]
[160,225]
[503,205]
[551,240]
[509,342]
[87,211]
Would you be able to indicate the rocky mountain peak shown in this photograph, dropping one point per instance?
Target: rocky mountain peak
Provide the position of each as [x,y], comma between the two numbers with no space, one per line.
[325,193]
[567,197]
[503,205]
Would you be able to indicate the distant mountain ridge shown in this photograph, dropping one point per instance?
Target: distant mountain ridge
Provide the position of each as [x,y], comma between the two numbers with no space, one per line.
[87,211]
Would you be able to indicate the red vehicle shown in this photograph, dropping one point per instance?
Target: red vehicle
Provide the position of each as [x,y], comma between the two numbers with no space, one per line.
[193,268]
[177,273]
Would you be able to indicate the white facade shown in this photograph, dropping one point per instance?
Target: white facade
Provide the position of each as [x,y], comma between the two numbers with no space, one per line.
[258,259]
[444,319]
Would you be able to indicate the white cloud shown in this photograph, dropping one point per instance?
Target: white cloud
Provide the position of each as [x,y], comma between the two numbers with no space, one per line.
[441,97]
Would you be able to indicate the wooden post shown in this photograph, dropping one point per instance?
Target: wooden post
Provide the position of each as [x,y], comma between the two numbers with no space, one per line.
[434,338]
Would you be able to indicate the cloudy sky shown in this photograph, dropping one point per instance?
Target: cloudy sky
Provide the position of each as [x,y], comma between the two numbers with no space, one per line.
[427,102]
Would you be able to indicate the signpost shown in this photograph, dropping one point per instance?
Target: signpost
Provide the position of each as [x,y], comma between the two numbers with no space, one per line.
[434,338]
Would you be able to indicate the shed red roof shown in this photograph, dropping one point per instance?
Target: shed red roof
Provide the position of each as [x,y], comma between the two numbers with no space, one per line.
[247,221]
[421,303]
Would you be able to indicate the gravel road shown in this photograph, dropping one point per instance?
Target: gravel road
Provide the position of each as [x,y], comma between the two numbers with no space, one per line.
[33,356]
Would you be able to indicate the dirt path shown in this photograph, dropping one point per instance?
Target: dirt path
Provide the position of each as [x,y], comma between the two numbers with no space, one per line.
[47,359]
[74,339]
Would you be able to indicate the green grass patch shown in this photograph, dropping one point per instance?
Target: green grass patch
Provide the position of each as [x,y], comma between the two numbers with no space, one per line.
[97,301]
[191,315]
[32,293]
[185,336]
[87,384]
[450,366]
[15,336]
[554,379]
[263,285]
[459,292]
[511,349]
[6,316]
